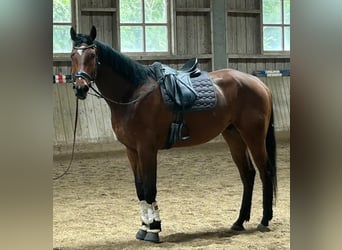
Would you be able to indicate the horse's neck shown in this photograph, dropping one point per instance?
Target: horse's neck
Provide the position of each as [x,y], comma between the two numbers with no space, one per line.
[114,86]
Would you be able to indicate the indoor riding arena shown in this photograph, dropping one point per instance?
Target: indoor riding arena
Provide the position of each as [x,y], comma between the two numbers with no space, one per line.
[199,188]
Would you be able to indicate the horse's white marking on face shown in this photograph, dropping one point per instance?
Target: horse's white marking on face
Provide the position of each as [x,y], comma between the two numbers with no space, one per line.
[80,50]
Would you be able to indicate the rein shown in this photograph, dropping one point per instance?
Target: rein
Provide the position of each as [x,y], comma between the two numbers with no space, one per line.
[121,103]
[73,146]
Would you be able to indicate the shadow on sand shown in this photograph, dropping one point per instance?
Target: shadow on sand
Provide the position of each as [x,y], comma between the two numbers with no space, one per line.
[215,234]
[167,240]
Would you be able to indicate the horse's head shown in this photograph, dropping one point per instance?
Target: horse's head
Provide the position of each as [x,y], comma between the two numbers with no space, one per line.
[83,61]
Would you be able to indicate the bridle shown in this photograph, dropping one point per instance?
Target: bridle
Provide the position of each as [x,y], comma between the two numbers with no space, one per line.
[82,74]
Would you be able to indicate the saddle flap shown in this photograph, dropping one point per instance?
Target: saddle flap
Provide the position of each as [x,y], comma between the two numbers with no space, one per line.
[179,91]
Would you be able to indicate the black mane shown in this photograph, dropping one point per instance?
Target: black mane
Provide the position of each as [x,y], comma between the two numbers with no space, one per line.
[135,72]
[121,63]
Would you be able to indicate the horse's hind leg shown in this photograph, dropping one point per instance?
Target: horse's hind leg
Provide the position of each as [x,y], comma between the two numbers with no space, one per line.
[257,143]
[247,173]
[267,177]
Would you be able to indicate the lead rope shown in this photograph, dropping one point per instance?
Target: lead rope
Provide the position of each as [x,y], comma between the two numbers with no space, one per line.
[73,146]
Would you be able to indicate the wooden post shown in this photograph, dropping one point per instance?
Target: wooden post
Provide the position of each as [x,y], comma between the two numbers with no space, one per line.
[219,34]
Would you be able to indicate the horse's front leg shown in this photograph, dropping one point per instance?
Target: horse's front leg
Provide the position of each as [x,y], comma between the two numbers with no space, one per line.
[144,166]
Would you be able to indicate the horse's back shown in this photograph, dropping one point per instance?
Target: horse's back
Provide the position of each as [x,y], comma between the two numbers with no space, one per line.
[240,88]
[237,78]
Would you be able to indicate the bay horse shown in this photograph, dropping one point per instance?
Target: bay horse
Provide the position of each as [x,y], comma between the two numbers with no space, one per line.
[243,115]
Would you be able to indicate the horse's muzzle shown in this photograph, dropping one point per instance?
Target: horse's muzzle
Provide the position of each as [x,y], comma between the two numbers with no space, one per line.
[82,81]
[81,91]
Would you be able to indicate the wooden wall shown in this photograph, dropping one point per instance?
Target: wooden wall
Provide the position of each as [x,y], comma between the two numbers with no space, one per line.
[93,119]
[244,38]
[191,35]
[280,87]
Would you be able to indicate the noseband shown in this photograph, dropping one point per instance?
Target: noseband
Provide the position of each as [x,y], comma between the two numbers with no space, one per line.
[82,74]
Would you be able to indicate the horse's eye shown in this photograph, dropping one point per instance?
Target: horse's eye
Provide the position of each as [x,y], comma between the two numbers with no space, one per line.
[72,54]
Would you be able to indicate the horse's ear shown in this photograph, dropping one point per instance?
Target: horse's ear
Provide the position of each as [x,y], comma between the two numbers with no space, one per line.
[72,33]
[93,33]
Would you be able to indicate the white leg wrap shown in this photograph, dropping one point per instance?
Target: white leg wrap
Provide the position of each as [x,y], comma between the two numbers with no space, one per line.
[143,212]
[143,227]
[149,212]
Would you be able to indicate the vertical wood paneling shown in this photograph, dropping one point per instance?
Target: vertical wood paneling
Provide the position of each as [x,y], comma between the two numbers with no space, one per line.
[241,34]
[270,64]
[65,110]
[242,66]
[181,4]
[286,86]
[244,38]
[260,65]
[59,131]
[280,87]
[181,48]
[192,29]
[71,118]
[99,117]
[282,101]
[231,4]
[94,118]
[251,41]
[251,66]
[203,37]
[91,120]
[231,36]
[106,120]
[272,83]
[232,65]
[257,35]
[181,32]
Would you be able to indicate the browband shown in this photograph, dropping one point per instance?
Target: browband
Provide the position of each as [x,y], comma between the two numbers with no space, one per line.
[91,46]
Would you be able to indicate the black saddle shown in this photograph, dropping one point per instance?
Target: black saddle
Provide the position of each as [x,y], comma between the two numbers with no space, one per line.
[183,90]
[191,67]
[177,83]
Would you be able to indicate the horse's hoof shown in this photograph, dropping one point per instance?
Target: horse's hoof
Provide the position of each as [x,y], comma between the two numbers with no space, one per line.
[263,228]
[141,234]
[152,237]
[236,227]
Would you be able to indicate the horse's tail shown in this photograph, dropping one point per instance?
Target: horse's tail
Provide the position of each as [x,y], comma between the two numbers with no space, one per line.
[271,152]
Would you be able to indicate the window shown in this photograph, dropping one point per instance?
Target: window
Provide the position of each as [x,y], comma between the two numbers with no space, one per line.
[144,26]
[62,20]
[276,25]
